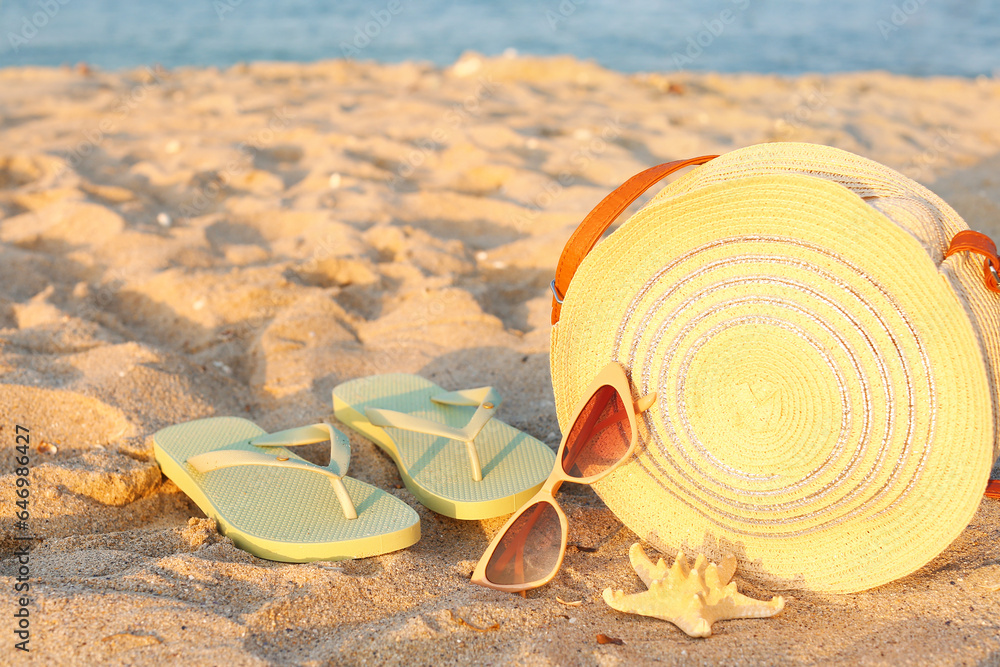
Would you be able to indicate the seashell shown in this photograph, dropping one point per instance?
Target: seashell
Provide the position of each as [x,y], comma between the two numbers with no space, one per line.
[47,448]
[692,598]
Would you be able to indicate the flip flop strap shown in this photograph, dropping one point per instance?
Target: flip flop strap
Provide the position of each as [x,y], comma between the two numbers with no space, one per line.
[486,398]
[340,446]
[340,457]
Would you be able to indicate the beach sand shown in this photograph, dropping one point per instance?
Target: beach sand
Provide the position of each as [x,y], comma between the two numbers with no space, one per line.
[196,242]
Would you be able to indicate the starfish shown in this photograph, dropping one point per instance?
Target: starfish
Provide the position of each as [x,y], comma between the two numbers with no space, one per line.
[692,598]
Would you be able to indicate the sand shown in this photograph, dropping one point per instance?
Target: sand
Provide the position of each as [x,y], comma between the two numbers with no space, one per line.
[196,242]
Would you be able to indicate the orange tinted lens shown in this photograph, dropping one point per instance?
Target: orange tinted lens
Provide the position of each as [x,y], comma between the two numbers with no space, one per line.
[600,437]
[529,550]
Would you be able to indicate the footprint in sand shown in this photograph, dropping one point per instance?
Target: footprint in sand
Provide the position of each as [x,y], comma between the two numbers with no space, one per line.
[69,436]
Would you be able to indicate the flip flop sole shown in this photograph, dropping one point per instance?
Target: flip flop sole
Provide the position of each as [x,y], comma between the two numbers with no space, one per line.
[436,469]
[281,514]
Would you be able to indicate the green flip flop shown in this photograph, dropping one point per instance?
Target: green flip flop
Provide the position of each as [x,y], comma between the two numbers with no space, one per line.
[277,505]
[451,453]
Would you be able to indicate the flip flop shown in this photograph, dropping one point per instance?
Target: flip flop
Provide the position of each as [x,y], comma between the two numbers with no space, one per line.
[451,453]
[277,505]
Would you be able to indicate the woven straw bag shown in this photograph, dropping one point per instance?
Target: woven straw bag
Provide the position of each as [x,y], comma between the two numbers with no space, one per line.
[823,336]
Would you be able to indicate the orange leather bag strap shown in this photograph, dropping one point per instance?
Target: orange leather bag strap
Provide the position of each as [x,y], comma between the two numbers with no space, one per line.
[980,244]
[598,220]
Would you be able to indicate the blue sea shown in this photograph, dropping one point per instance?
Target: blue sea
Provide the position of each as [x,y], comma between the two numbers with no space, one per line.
[788,37]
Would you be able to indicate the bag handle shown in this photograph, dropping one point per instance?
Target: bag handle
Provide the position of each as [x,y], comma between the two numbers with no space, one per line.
[980,244]
[598,220]
[605,213]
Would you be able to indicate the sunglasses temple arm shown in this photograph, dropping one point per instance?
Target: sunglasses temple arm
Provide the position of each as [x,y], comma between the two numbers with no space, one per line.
[640,406]
[589,427]
[572,455]
[519,562]
[644,403]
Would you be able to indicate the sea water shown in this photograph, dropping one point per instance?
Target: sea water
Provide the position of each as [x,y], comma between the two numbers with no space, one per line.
[917,37]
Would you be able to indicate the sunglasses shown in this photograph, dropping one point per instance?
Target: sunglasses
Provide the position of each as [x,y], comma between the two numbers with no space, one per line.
[529,549]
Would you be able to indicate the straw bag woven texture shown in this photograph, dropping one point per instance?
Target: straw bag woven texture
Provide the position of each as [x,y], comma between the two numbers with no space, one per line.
[826,380]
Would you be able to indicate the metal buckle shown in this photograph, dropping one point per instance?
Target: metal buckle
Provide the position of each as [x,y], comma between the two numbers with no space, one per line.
[559,299]
[993,270]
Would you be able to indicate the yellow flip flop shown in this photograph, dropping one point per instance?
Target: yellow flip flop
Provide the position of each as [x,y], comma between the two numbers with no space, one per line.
[277,505]
[452,454]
